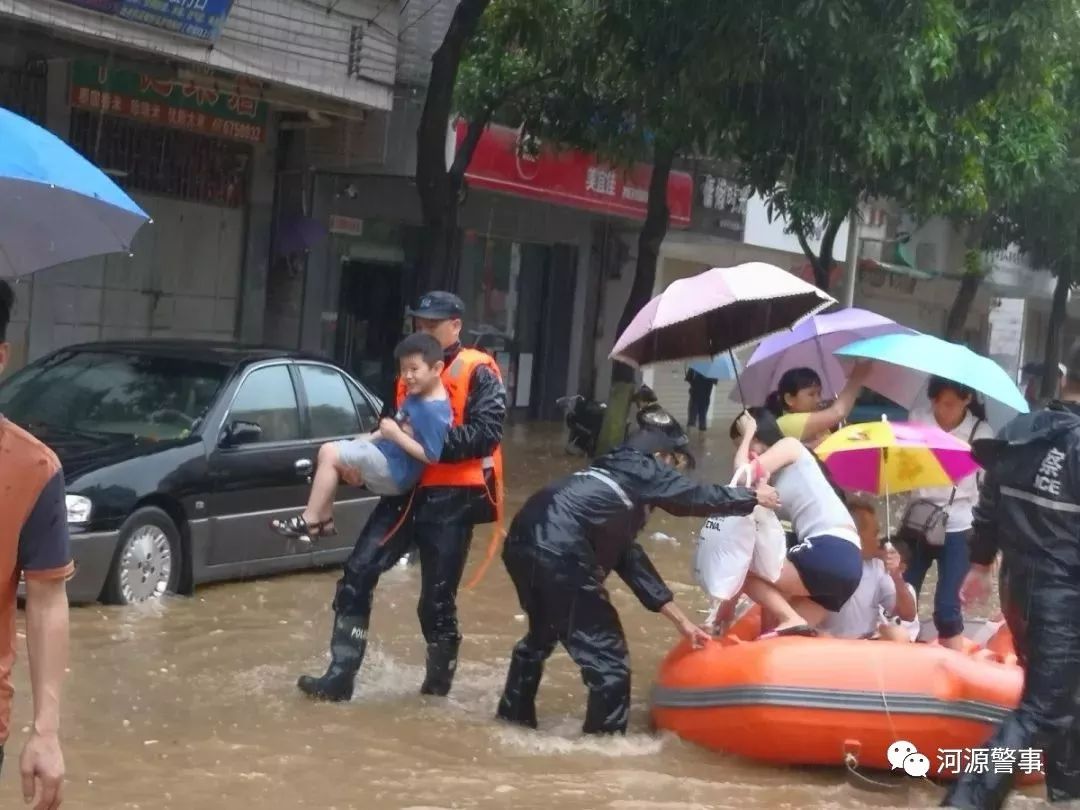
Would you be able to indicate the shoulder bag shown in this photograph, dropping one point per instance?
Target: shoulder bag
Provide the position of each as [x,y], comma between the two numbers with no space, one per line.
[925,521]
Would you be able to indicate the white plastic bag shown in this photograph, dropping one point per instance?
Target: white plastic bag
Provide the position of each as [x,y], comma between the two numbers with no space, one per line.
[724,549]
[730,547]
[770,550]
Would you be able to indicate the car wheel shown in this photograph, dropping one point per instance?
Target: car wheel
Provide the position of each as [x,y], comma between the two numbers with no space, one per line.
[147,561]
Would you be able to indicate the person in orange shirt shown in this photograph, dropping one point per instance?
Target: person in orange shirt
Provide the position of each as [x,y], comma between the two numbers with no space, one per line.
[34,545]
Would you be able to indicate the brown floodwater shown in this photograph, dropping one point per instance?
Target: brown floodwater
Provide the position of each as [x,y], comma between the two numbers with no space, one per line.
[192,703]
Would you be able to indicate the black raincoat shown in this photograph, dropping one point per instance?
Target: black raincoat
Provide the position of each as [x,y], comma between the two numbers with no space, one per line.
[1029,509]
[438,524]
[559,550]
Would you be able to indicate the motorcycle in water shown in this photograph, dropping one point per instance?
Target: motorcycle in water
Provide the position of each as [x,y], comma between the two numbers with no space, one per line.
[585,417]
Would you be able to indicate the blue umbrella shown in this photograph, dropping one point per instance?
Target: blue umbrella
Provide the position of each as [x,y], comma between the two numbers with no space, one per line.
[720,367]
[904,363]
[56,206]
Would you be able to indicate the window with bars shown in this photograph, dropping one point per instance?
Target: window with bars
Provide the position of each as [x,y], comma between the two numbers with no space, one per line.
[159,160]
[22,90]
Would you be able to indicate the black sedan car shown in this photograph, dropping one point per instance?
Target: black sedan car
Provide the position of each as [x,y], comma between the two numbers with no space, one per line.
[177,455]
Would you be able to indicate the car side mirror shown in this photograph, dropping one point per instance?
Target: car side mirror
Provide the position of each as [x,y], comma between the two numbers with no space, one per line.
[241,432]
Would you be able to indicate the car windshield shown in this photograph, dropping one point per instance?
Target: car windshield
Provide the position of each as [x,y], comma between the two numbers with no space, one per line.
[97,393]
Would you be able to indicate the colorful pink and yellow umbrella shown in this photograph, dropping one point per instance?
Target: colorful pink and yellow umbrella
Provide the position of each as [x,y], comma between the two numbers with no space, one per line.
[886,458]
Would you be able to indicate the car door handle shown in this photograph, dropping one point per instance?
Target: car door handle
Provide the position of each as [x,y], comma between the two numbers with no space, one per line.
[303,466]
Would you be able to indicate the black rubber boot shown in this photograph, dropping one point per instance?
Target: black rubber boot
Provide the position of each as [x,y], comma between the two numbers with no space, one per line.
[518,702]
[441,663]
[347,644]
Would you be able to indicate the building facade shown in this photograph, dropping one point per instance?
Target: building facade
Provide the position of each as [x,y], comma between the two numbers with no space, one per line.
[184,105]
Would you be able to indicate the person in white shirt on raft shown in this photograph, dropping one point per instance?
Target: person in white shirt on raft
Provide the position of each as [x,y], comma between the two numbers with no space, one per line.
[821,572]
[882,595]
[954,409]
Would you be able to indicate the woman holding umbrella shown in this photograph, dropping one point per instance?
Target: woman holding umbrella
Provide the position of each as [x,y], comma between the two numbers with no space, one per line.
[955,409]
[796,403]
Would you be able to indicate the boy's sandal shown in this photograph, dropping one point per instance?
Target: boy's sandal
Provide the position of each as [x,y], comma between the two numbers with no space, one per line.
[297,527]
[798,630]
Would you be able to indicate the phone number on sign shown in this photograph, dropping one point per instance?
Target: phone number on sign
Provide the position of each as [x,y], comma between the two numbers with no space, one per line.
[990,760]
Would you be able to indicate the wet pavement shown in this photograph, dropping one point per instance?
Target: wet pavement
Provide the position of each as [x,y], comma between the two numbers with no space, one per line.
[192,703]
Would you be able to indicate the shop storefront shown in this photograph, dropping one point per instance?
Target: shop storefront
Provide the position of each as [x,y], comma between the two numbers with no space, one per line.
[185,154]
[527,226]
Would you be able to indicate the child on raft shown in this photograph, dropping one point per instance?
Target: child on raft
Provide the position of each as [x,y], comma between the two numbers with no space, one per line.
[796,403]
[823,570]
[390,460]
[883,597]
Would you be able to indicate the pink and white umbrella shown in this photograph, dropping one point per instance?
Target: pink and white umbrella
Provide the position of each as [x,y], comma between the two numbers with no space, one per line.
[719,310]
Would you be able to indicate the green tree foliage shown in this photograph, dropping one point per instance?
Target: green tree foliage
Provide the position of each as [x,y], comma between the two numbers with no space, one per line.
[1045,222]
[949,107]
[626,80]
[942,106]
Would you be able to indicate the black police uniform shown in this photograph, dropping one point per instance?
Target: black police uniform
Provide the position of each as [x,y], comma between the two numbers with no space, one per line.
[561,547]
[1029,509]
[438,524]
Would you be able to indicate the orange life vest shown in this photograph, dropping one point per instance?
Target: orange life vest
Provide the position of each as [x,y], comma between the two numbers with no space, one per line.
[457,379]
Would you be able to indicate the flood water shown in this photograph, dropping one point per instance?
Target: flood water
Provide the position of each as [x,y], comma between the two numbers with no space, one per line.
[193,703]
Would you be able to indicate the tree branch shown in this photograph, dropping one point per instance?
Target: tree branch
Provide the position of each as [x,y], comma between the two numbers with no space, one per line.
[431,169]
[465,151]
[463,155]
[828,238]
[804,244]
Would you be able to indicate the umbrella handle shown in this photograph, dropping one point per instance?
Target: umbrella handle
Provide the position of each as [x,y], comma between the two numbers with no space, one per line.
[738,381]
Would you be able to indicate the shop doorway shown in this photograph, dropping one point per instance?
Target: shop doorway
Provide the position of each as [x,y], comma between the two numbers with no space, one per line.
[370,318]
[517,298]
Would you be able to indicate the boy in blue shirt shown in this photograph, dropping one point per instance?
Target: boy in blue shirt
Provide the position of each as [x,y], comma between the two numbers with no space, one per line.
[390,460]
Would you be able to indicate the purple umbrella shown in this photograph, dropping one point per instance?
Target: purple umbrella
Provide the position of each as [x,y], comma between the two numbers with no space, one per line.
[811,345]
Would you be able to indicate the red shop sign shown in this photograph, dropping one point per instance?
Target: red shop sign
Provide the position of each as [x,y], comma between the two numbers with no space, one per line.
[571,178]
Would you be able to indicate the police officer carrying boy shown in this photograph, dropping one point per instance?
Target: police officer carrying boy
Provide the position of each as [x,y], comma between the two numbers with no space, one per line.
[454,495]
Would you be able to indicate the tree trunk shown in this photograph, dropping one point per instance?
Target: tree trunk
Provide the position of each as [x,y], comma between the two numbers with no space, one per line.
[961,305]
[971,281]
[1052,355]
[650,238]
[438,186]
[822,262]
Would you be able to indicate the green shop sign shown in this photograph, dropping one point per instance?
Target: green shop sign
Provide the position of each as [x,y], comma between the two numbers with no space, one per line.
[130,94]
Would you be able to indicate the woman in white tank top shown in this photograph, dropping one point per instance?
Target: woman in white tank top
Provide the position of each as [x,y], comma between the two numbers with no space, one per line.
[823,571]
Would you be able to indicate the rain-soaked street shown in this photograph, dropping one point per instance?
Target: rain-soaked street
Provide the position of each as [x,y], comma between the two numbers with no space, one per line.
[193,704]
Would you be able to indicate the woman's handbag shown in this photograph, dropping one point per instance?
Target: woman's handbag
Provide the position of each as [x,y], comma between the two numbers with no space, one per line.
[925,521]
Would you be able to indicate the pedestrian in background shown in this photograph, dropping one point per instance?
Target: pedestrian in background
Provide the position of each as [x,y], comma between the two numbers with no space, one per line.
[701,388]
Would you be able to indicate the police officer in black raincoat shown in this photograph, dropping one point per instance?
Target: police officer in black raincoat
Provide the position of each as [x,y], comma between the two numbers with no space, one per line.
[563,544]
[1029,510]
[436,521]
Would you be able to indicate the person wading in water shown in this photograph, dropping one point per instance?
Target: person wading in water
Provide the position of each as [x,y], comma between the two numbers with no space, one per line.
[1029,512]
[563,544]
[459,492]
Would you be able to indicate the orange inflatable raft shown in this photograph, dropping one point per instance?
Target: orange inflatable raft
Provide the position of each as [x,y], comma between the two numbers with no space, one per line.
[824,701]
